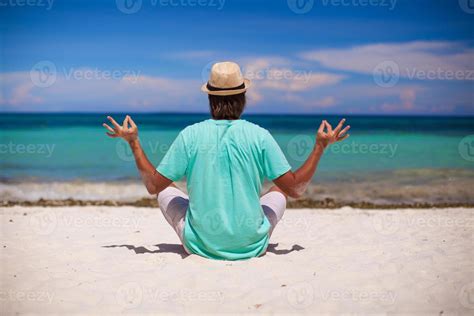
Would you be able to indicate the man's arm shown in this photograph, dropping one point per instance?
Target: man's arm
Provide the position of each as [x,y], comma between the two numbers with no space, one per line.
[153,180]
[295,183]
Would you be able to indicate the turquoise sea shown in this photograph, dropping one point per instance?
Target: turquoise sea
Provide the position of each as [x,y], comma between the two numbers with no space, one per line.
[385,158]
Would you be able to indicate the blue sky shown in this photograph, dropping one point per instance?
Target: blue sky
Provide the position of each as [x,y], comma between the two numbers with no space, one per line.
[321,56]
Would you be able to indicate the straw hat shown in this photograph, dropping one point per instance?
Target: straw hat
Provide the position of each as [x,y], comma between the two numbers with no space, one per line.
[225,79]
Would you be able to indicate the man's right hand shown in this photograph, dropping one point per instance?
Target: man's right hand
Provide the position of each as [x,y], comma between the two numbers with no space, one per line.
[127,133]
[326,138]
[153,180]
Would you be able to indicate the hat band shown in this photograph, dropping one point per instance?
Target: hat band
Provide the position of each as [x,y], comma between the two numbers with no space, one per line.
[211,88]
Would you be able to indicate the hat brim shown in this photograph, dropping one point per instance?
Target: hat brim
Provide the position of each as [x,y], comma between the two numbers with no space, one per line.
[247,85]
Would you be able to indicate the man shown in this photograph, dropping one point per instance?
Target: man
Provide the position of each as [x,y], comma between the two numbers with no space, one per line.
[225,161]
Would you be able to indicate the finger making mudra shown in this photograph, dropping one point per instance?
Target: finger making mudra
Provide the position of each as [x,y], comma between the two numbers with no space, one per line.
[326,135]
[128,130]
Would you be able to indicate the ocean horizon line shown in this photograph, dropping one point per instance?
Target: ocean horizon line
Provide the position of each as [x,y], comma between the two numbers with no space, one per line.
[398,115]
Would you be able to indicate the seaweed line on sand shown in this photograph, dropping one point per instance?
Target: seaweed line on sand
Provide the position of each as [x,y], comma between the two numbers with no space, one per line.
[326,203]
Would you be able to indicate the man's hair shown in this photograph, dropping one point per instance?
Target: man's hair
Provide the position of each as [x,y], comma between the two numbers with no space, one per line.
[228,107]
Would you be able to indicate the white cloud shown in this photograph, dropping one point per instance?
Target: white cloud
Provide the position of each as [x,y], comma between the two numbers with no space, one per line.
[407,102]
[134,91]
[310,103]
[271,75]
[279,84]
[416,60]
[325,102]
[16,90]
[85,88]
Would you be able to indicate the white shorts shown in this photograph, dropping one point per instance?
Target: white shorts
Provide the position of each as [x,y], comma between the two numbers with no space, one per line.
[174,204]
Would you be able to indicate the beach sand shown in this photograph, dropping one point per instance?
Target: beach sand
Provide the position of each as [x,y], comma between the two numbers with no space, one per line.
[106,260]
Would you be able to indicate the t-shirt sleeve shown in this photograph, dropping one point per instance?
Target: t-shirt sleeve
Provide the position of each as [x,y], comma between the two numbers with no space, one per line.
[175,162]
[274,161]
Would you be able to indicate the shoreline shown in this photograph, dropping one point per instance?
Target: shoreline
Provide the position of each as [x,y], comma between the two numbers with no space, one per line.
[326,203]
[403,188]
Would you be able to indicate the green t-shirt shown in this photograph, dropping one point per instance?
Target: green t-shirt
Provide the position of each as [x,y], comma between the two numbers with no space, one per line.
[225,163]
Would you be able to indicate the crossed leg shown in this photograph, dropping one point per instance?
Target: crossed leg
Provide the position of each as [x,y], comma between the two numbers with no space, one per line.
[274,205]
[174,203]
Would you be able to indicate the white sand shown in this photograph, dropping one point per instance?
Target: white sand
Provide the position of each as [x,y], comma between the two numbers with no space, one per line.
[55,260]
